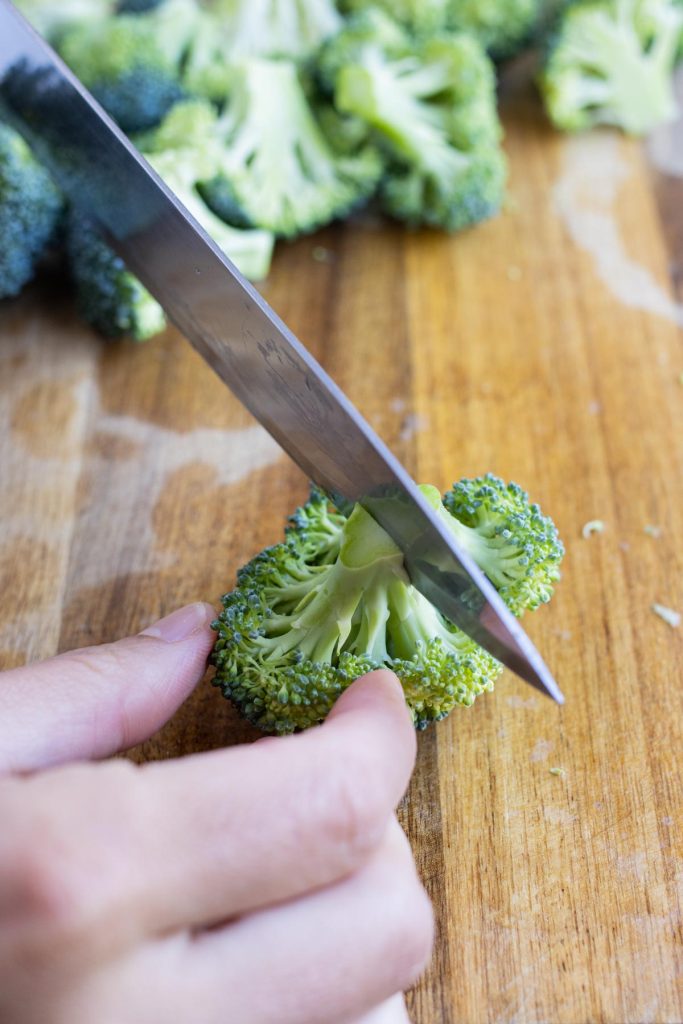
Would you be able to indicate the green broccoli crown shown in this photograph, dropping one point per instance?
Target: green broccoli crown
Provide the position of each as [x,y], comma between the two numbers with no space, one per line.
[50,18]
[334,601]
[278,167]
[30,210]
[509,538]
[108,296]
[611,62]
[503,27]
[185,150]
[291,29]
[132,63]
[432,105]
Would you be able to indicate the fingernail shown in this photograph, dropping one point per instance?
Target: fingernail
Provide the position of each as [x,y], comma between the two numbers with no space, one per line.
[181,624]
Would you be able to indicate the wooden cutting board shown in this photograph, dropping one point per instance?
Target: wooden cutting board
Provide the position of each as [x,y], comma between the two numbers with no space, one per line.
[545,346]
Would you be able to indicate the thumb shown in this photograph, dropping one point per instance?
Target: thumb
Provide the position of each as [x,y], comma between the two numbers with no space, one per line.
[96,701]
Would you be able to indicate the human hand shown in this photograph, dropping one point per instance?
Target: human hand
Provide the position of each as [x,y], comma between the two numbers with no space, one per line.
[265,884]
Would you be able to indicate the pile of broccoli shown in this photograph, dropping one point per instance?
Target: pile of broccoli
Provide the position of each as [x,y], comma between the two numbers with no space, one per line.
[334,601]
[271,118]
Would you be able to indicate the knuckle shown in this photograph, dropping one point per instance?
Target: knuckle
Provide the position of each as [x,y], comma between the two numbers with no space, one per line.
[350,812]
[410,931]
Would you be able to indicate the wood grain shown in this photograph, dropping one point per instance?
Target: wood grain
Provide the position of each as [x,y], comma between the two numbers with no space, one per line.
[545,346]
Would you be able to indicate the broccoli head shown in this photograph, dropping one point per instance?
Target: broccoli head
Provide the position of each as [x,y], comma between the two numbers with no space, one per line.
[132,63]
[431,104]
[108,296]
[30,211]
[278,170]
[276,28]
[503,27]
[334,601]
[611,62]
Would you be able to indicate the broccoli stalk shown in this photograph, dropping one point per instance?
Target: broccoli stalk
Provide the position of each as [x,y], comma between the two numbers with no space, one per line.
[278,170]
[334,601]
[611,62]
[132,63]
[30,210]
[184,150]
[431,104]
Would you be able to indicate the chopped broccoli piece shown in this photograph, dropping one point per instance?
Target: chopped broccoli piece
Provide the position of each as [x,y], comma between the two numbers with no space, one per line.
[503,27]
[431,104]
[509,538]
[50,18]
[278,168]
[611,62]
[30,209]
[668,615]
[276,28]
[591,527]
[108,296]
[334,601]
[132,63]
[184,150]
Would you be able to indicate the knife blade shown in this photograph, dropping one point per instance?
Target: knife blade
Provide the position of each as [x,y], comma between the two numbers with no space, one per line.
[242,339]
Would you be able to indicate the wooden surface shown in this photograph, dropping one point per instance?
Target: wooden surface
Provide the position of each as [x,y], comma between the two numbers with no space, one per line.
[545,346]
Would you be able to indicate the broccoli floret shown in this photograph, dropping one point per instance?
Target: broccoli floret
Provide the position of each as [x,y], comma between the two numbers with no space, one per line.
[108,296]
[30,210]
[417,15]
[503,27]
[611,62]
[334,601]
[50,18]
[132,63]
[278,168]
[184,150]
[511,541]
[432,104]
[276,28]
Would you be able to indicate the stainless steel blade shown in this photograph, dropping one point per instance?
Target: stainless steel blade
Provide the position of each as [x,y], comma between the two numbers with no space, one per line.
[244,341]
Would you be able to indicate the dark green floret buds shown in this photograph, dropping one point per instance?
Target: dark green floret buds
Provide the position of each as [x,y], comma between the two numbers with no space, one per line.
[30,210]
[132,63]
[334,601]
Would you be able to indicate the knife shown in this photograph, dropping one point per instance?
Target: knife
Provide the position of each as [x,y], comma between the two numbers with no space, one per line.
[242,339]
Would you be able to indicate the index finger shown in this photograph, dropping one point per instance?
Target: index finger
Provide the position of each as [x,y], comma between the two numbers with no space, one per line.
[193,842]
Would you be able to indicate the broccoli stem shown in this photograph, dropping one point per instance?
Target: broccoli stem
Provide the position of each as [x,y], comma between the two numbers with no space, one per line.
[634,86]
[392,98]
